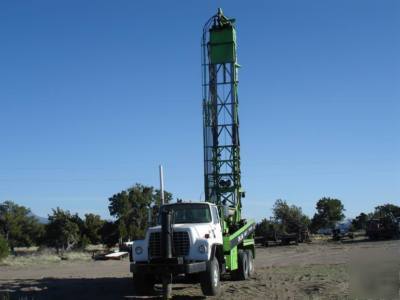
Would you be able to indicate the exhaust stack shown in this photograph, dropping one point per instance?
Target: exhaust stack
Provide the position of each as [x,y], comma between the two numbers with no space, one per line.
[166,234]
[162,184]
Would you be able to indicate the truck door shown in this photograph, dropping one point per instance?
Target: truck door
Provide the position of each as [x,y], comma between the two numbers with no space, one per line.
[216,226]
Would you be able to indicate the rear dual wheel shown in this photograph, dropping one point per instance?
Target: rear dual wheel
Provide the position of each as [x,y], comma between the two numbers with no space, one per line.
[245,265]
[251,262]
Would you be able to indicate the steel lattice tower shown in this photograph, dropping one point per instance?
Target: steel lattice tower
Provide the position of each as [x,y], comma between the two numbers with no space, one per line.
[220,115]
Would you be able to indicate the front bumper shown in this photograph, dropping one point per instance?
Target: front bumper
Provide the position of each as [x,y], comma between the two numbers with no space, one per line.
[172,266]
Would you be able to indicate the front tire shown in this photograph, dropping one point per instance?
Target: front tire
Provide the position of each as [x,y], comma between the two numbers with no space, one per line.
[210,279]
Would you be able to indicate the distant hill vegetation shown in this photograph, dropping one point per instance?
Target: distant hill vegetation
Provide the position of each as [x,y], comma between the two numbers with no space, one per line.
[41,220]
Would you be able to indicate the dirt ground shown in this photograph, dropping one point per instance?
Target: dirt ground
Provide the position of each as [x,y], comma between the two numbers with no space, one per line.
[358,269]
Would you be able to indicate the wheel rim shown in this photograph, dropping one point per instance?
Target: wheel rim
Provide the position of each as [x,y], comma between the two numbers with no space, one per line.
[215,277]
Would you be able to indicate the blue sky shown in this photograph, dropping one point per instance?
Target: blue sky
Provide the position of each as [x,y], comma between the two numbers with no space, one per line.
[94,95]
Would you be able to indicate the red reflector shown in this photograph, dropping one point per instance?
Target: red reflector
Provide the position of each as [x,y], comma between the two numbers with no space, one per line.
[207,236]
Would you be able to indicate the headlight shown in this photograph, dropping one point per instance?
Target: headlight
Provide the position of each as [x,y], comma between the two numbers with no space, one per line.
[202,249]
[138,250]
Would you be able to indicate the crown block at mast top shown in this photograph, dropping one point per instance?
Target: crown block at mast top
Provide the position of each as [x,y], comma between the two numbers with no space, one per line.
[222,41]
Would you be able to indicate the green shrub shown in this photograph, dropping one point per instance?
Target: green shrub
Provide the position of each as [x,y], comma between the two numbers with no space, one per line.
[83,243]
[4,249]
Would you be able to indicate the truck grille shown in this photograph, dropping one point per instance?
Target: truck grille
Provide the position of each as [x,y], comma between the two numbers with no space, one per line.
[180,245]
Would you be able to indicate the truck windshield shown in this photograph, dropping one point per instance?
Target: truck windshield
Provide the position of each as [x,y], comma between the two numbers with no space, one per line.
[189,213]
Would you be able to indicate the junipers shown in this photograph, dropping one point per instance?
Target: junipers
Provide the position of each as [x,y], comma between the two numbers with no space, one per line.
[263,227]
[65,231]
[360,222]
[4,249]
[18,226]
[286,219]
[131,207]
[62,231]
[330,211]
[386,210]
[109,233]
[289,218]
[92,227]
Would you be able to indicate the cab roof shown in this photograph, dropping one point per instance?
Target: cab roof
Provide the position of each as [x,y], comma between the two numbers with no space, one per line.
[188,202]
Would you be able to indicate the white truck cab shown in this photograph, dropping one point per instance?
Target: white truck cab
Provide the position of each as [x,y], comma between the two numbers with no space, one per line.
[196,239]
[196,227]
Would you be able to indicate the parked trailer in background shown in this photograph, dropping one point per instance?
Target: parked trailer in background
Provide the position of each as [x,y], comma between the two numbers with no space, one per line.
[273,236]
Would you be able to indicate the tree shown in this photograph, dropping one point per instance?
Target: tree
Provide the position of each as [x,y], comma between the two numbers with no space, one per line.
[66,230]
[360,222]
[262,227]
[62,231]
[18,226]
[4,249]
[109,233]
[157,197]
[386,210]
[329,212]
[131,208]
[289,218]
[92,226]
[83,239]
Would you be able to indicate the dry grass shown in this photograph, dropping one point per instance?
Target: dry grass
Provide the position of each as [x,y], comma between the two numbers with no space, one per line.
[25,256]
[99,247]
[320,237]
[25,250]
[26,260]
[77,255]
[44,257]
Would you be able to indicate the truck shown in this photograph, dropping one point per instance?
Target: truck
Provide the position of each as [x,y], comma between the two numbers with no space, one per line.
[189,240]
[203,240]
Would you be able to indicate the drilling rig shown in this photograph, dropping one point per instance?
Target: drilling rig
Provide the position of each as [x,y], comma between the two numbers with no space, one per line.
[222,175]
[207,238]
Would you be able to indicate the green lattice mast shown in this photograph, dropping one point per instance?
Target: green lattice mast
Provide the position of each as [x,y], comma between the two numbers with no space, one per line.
[220,113]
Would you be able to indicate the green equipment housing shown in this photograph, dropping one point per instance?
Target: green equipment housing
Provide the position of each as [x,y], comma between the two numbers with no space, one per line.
[223,44]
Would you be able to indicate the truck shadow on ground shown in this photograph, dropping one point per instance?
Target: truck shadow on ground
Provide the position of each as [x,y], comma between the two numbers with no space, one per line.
[77,288]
